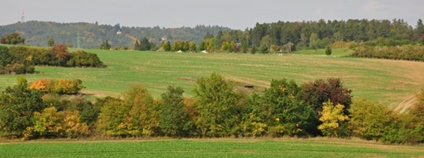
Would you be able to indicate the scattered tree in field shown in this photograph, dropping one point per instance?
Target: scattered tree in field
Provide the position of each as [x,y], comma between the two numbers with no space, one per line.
[334,121]
[105,45]
[328,50]
[50,42]
[174,120]
[17,106]
[12,38]
[192,46]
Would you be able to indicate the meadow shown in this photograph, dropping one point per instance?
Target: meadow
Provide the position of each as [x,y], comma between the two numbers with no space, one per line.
[263,147]
[394,83]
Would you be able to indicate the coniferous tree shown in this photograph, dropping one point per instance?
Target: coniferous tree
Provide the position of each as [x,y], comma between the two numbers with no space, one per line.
[50,42]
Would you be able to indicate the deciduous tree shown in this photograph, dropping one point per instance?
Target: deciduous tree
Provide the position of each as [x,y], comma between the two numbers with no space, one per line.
[216,106]
[17,106]
[174,119]
[334,121]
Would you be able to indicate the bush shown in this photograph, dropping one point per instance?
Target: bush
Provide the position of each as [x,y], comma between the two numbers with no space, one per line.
[328,51]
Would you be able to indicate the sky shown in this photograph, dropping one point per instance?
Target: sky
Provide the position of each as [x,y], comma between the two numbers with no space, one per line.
[235,14]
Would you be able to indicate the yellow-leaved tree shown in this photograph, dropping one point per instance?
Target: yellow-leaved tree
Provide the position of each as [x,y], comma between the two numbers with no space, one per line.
[333,120]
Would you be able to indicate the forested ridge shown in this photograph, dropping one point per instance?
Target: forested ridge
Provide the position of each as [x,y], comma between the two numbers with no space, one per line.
[91,35]
[263,37]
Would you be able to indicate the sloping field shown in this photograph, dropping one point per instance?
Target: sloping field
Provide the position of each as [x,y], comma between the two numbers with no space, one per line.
[388,81]
[318,147]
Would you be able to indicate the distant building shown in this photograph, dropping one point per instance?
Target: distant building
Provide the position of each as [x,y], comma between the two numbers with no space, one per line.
[164,38]
[119,32]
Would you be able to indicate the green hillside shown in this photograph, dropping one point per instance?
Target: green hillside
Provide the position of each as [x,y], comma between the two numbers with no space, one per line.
[388,81]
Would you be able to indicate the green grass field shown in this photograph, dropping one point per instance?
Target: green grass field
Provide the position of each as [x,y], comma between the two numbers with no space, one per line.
[318,147]
[387,81]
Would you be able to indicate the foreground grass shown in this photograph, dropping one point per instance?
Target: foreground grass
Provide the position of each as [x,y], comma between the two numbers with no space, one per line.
[387,81]
[210,148]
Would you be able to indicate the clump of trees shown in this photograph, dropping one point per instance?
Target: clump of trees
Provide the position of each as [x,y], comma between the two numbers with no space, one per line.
[144,44]
[217,109]
[12,38]
[21,59]
[61,86]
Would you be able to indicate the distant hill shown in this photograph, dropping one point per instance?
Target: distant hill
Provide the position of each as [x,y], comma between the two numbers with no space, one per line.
[91,35]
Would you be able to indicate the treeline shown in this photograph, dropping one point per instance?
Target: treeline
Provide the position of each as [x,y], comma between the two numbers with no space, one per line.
[22,59]
[289,36]
[92,35]
[217,109]
[413,53]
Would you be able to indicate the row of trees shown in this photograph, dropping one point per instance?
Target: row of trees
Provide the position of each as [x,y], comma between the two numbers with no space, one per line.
[414,53]
[217,109]
[21,59]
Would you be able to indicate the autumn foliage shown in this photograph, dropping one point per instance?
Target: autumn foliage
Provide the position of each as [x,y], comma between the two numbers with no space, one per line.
[217,109]
[61,86]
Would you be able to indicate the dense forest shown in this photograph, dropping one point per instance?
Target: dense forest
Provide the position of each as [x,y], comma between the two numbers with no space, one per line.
[91,35]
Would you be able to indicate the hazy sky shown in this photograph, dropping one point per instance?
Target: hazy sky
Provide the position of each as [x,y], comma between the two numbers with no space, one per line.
[237,14]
